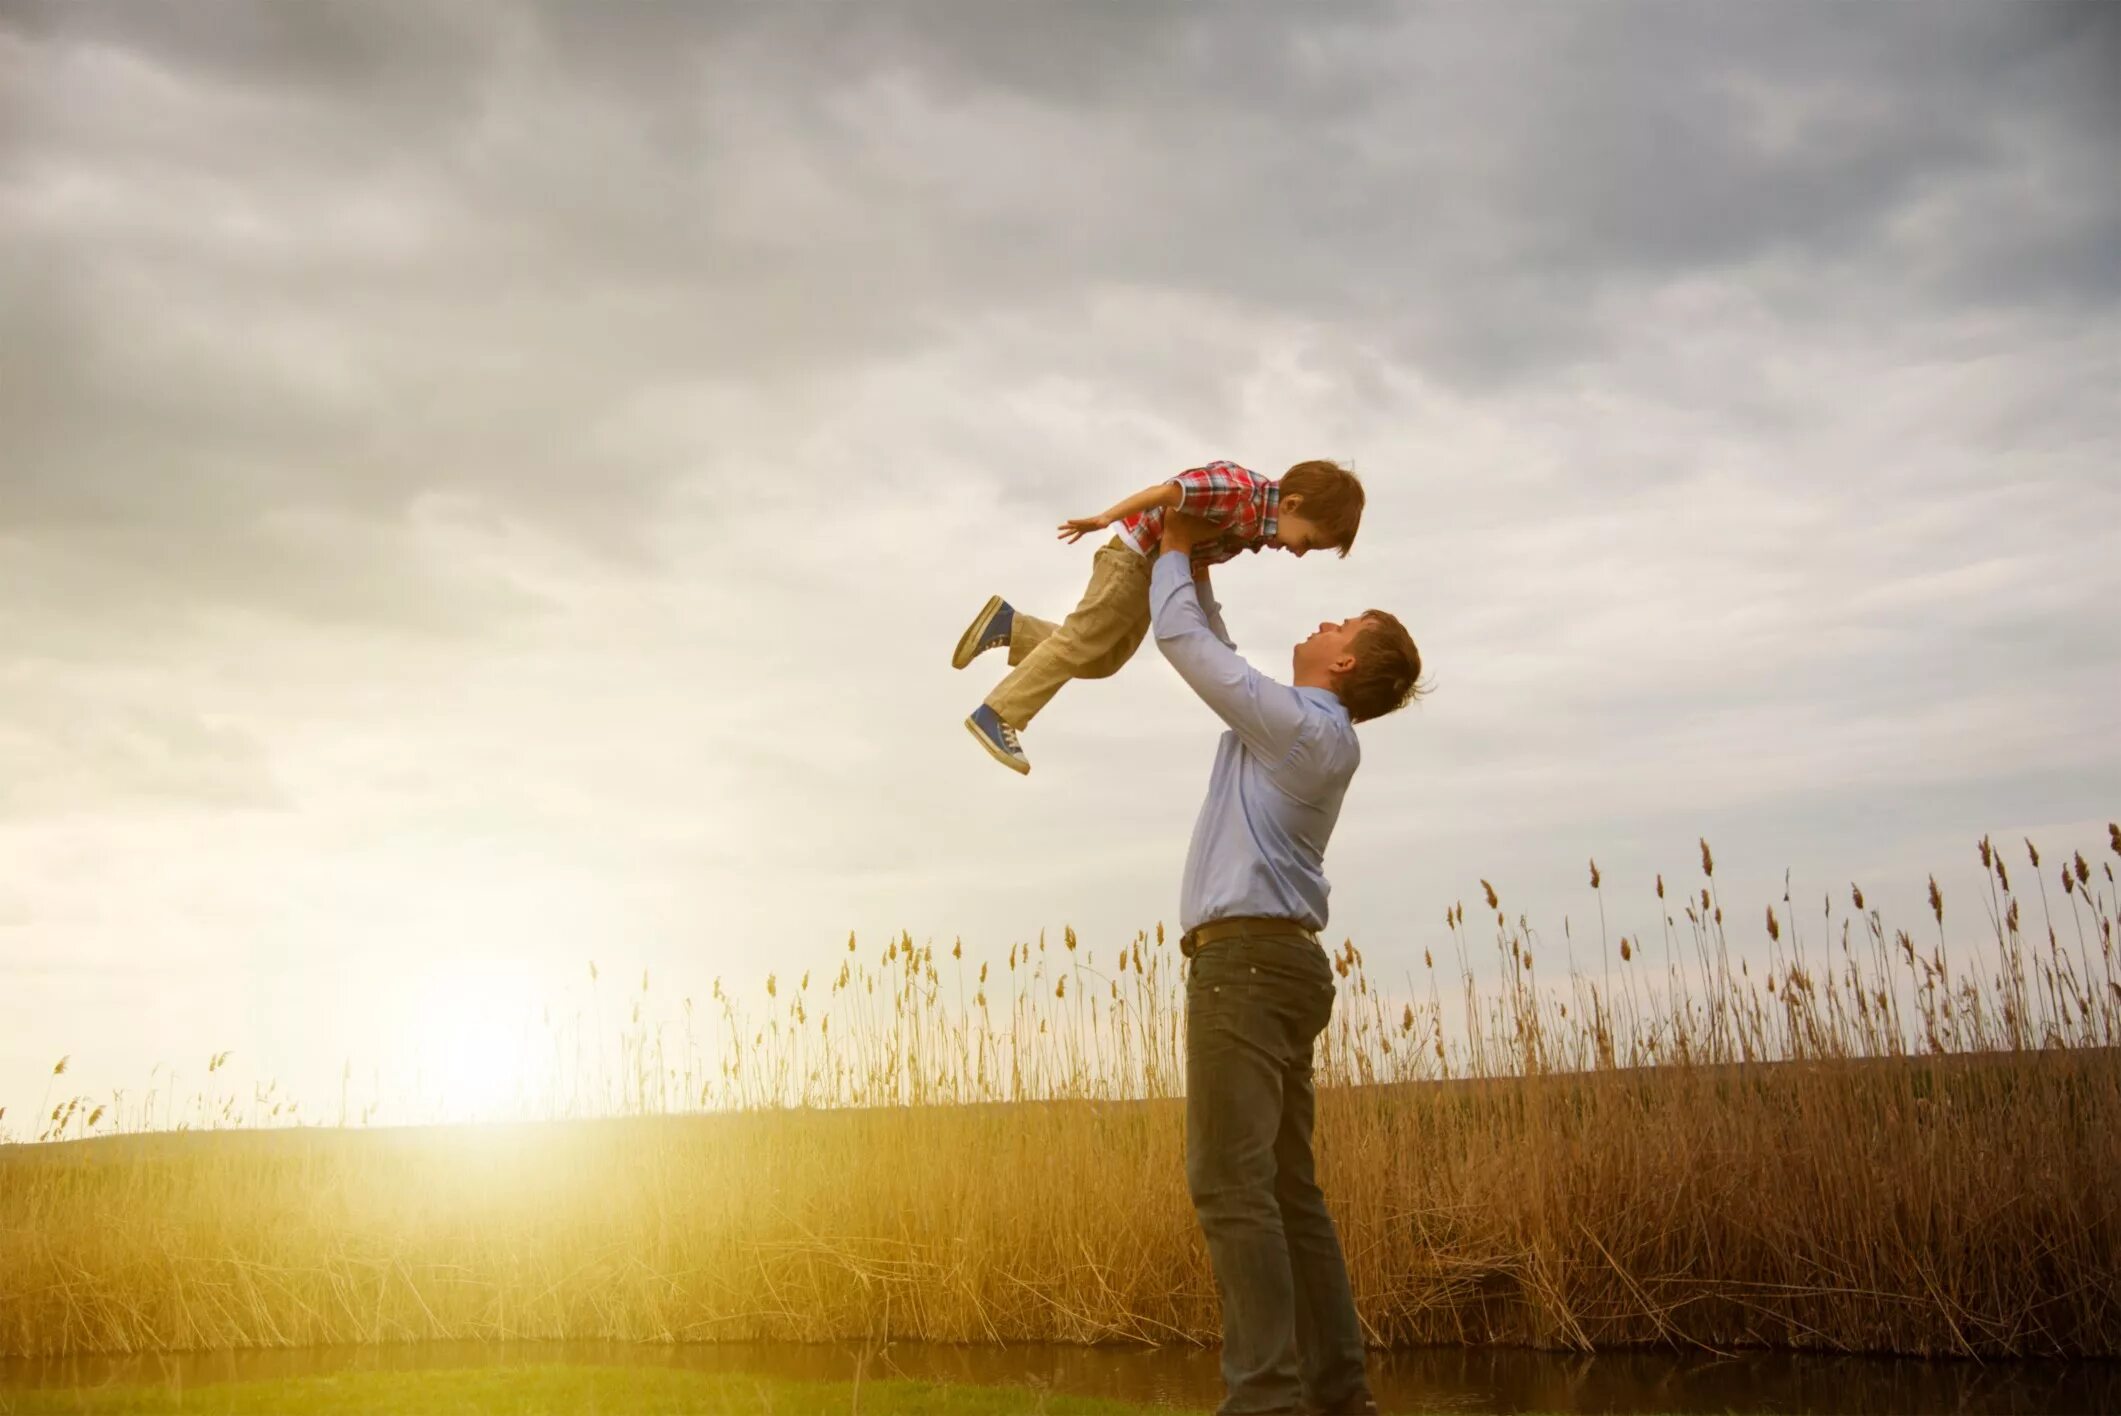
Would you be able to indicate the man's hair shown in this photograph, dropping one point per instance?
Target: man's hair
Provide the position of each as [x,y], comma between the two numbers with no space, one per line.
[1387,672]
[1332,499]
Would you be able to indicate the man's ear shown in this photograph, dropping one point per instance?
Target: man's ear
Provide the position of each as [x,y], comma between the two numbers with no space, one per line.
[1343,664]
[1292,504]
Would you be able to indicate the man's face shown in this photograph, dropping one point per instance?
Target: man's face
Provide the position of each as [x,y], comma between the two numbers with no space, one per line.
[1330,649]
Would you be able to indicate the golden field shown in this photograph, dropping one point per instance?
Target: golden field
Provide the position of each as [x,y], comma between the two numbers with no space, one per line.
[1873,1143]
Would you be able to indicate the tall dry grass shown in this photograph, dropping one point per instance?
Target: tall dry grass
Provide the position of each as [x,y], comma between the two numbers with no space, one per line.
[1873,1142]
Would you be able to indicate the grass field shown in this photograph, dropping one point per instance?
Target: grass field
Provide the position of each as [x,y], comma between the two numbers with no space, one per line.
[576,1391]
[1869,1145]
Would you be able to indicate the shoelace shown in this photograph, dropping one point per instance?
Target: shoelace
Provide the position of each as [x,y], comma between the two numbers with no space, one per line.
[1008,736]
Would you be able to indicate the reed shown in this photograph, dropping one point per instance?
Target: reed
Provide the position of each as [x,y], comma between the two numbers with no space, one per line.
[1873,1143]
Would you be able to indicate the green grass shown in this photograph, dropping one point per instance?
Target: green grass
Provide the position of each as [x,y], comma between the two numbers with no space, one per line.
[531,1391]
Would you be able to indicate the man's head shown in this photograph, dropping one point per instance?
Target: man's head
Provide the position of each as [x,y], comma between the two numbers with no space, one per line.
[1369,661]
[1320,508]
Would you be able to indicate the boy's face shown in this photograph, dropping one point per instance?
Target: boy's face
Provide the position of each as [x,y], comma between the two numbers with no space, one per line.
[1296,533]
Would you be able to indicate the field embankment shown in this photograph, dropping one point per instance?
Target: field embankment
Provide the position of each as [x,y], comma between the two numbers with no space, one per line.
[1950,1205]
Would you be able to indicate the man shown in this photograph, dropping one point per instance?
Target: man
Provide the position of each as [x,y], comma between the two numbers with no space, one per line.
[1261,986]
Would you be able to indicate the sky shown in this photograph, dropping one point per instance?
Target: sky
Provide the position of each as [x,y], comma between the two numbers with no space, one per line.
[489,487]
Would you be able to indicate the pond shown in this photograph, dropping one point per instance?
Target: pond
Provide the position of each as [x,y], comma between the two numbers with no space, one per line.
[1488,1380]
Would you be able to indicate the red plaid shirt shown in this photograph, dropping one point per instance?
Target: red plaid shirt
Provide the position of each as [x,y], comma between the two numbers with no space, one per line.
[1240,501]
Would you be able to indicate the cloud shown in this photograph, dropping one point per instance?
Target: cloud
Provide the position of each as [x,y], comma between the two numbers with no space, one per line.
[473,436]
[70,754]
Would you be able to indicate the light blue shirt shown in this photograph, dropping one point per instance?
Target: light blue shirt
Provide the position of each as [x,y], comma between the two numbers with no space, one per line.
[1259,847]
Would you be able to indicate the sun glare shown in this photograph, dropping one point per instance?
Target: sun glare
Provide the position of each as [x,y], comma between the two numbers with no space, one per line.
[471,1040]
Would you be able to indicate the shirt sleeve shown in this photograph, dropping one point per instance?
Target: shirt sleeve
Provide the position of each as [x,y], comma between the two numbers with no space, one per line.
[1215,492]
[1211,610]
[1268,717]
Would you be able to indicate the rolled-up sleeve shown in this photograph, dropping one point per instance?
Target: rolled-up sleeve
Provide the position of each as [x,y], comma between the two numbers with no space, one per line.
[1198,489]
[1216,492]
[1267,716]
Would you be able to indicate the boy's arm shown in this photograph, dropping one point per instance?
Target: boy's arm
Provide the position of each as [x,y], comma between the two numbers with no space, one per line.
[1267,717]
[1212,491]
[1208,605]
[1162,494]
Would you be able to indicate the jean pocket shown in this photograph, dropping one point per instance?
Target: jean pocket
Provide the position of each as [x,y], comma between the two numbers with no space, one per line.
[1222,1012]
[1269,992]
[1294,963]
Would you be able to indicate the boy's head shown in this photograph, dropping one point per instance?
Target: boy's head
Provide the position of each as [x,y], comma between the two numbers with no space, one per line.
[1320,508]
[1370,662]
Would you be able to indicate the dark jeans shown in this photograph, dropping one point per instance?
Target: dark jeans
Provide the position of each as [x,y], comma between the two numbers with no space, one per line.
[1254,1006]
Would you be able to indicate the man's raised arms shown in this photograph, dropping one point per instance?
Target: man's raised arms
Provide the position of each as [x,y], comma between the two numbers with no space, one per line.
[1267,717]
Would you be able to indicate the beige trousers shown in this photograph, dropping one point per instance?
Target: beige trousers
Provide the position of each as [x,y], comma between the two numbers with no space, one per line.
[1100,635]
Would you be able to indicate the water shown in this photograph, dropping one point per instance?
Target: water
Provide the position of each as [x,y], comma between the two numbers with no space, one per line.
[1486,1380]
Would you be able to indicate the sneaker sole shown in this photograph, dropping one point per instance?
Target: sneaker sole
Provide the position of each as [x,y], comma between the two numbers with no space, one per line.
[1014,764]
[968,643]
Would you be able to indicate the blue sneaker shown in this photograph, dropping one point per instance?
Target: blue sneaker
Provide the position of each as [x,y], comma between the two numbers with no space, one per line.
[989,629]
[998,738]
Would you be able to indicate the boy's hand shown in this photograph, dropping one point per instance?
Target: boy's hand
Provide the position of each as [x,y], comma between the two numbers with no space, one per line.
[1183,531]
[1077,527]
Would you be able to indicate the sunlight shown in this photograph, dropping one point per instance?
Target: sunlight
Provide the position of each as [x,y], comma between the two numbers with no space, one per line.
[472,1039]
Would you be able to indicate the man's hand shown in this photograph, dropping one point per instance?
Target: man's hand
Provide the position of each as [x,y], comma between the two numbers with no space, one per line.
[1077,527]
[1183,531]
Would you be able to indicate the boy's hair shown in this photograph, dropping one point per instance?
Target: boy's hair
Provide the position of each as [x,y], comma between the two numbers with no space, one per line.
[1332,499]
[1387,672]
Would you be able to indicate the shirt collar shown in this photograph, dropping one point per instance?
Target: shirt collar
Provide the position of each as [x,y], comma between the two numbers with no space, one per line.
[1325,698]
[1270,511]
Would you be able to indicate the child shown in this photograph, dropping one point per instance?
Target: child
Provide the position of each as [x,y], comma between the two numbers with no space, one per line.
[1314,506]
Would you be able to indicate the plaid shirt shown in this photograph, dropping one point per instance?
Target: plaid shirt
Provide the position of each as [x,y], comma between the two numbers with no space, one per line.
[1240,501]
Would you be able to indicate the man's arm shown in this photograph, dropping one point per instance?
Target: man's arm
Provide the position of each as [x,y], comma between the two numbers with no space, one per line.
[1209,606]
[1268,717]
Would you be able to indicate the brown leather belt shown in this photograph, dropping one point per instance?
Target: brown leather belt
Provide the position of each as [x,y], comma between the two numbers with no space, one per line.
[1191,941]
